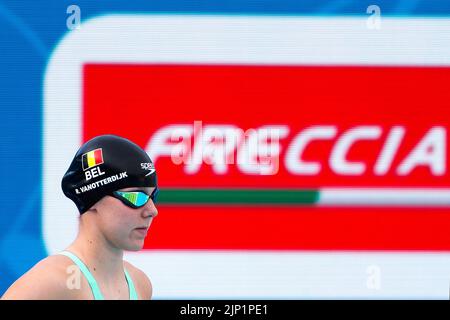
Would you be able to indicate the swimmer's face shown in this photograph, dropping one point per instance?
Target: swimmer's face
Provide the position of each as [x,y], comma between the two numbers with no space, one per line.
[123,226]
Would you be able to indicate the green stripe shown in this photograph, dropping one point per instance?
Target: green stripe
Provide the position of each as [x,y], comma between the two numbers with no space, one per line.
[237,196]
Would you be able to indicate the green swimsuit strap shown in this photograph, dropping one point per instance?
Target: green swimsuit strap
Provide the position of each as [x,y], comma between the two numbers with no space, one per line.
[131,288]
[91,280]
[89,277]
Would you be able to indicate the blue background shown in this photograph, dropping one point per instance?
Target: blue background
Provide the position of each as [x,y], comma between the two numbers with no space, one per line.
[29,31]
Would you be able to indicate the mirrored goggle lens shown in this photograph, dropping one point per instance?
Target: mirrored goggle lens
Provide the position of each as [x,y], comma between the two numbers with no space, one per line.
[135,198]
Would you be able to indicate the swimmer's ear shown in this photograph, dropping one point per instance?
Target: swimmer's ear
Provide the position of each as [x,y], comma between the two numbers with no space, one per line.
[96,205]
[93,208]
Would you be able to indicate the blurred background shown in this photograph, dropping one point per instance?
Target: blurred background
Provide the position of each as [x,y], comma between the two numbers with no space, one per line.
[301,146]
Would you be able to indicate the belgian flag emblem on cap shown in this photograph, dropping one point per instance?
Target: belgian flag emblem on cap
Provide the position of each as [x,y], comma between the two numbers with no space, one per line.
[92,158]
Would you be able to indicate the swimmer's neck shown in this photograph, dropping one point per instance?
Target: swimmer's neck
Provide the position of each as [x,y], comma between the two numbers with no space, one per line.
[101,257]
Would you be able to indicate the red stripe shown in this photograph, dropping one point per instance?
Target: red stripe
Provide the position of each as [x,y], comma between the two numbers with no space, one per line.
[98,156]
[308,228]
[253,96]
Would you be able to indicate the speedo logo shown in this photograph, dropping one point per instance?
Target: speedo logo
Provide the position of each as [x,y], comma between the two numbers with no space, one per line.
[149,167]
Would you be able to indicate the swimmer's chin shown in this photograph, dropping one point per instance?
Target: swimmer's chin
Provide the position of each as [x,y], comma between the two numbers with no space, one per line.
[134,247]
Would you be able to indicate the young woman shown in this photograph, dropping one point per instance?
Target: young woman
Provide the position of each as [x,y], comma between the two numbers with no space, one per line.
[113,183]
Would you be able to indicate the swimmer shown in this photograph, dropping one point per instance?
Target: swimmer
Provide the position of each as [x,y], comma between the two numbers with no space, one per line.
[113,183]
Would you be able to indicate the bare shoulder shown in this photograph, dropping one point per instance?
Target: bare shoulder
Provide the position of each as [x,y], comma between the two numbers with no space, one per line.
[141,281]
[46,280]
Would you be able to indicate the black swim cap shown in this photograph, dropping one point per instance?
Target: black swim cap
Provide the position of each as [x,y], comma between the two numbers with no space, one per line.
[104,164]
